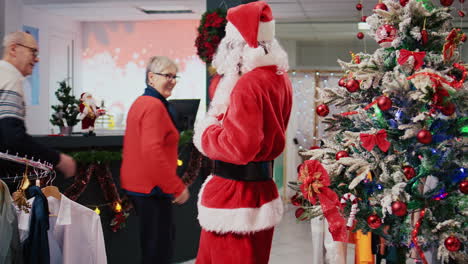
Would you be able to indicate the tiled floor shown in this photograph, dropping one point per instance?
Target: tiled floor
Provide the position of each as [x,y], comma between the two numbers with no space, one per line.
[290,241]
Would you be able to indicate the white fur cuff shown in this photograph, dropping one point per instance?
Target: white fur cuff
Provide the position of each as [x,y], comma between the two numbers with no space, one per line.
[200,127]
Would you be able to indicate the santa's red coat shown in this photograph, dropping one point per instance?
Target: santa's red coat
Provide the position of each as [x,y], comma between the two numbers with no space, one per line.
[252,129]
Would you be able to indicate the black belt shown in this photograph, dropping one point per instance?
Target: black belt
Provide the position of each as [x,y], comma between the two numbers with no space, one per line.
[252,171]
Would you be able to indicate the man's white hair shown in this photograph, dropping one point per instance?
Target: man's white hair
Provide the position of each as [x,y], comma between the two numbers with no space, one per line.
[15,37]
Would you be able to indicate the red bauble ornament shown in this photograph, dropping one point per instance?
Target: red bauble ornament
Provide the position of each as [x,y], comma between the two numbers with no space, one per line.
[322,110]
[385,35]
[424,136]
[409,172]
[403,2]
[461,13]
[352,85]
[448,110]
[463,186]
[463,38]
[295,200]
[363,18]
[461,1]
[381,6]
[342,82]
[341,154]
[424,37]
[299,212]
[452,243]
[446,2]
[314,147]
[360,35]
[374,221]
[399,208]
[384,103]
[359,6]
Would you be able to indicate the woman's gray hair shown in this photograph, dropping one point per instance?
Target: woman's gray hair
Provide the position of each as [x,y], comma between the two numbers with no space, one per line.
[159,64]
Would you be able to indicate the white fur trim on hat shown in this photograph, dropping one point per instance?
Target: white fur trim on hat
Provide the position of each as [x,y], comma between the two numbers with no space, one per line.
[239,220]
[232,32]
[266,31]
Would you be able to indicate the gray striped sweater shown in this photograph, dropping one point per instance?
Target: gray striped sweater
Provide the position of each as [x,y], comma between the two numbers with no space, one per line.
[11,92]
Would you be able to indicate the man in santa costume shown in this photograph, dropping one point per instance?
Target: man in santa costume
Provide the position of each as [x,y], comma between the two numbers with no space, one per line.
[89,113]
[244,131]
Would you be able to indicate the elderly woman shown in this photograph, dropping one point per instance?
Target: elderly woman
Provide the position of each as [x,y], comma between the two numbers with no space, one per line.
[148,172]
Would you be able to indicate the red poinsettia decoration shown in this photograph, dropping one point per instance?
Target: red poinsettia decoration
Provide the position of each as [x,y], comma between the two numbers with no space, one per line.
[210,33]
[314,181]
[119,221]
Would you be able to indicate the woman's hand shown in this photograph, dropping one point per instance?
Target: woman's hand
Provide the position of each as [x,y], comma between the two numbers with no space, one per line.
[67,165]
[183,197]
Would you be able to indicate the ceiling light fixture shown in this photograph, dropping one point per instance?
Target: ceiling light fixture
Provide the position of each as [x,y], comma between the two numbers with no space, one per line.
[151,10]
[363,26]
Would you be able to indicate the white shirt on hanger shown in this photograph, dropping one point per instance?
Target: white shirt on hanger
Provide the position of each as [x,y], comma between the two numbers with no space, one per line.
[75,233]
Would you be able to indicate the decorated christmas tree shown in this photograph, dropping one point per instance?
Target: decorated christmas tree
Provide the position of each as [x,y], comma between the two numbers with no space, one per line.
[66,111]
[394,158]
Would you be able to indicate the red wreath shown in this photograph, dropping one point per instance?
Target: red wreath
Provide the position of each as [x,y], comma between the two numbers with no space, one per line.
[210,33]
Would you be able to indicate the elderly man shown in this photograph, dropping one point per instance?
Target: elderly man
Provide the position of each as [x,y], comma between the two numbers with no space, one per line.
[20,54]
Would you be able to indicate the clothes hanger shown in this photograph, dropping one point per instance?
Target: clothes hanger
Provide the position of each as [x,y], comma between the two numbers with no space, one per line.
[52,191]
[19,197]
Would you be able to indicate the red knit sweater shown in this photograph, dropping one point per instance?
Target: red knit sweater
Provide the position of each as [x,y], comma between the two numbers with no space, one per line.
[150,149]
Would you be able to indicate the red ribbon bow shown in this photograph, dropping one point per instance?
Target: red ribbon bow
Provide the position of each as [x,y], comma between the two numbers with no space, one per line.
[379,139]
[314,181]
[418,57]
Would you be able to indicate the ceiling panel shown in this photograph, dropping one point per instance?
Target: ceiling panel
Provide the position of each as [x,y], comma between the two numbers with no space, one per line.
[284,11]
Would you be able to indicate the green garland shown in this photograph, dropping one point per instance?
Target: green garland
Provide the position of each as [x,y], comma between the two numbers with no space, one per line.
[96,156]
[103,156]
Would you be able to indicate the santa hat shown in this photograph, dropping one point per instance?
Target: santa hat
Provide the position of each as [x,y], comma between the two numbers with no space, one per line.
[84,95]
[252,22]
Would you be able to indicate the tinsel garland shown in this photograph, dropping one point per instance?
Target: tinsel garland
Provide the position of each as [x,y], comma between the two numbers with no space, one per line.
[97,163]
[193,169]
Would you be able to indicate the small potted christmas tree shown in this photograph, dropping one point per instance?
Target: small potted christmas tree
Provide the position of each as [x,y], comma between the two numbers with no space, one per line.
[66,111]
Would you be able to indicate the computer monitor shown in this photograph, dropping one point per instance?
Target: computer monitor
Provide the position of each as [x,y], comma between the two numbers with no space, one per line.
[186,112]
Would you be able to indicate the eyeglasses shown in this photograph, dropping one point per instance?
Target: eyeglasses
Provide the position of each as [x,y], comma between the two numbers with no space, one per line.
[34,51]
[169,77]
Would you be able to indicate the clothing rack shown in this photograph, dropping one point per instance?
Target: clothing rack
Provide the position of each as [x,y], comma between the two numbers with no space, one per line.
[44,167]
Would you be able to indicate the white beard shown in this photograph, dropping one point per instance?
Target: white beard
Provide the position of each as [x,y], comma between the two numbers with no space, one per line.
[92,103]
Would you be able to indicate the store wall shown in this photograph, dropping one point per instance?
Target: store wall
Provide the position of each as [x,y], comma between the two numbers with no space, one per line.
[114,70]
[59,41]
